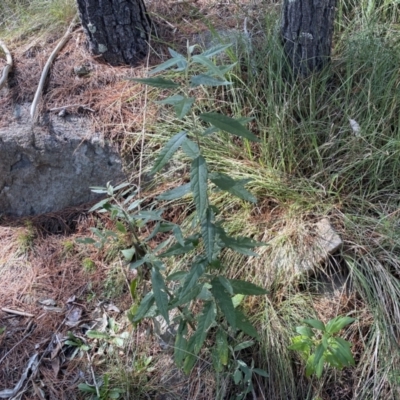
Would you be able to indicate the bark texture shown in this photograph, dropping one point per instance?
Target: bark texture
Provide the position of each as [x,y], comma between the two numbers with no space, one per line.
[307,30]
[117,30]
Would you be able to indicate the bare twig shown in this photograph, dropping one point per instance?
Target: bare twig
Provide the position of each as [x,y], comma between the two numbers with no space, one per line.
[93,376]
[46,68]
[8,66]
[16,312]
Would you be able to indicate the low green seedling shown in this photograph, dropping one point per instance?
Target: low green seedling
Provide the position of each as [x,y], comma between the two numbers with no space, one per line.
[102,392]
[325,348]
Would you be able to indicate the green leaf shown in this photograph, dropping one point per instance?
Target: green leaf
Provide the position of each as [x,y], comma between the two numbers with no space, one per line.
[243,345]
[305,331]
[302,344]
[226,284]
[205,320]
[320,367]
[128,254]
[229,125]
[192,278]
[188,297]
[177,249]
[175,193]
[198,183]
[140,262]
[181,104]
[120,227]
[160,293]
[240,244]
[345,349]
[319,353]
[180,343]
[168,151]
[261,372]
[144,307]
[245,325]
[133,287]
[237,300]
[221,344]
[207,80]
[205,61]
[184,106]
[226,183]
[213,51]
[97,335]
[246,288]
[83,387]
[191,149]
[177,276]
[175,54]
[165,65]
[189,363]
[172,100]
[237,377]
[208,233]
[224,301]
[338,323]
[100,204]
[157,82]
[85,241]
[176,230]
[315,323]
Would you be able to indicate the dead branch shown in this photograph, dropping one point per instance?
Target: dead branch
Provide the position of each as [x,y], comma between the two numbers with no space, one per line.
[16,312]
[8,66]
[46,68]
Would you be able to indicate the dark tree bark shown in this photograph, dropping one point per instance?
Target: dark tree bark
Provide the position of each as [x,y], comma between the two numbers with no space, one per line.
[307,30]
[117,30]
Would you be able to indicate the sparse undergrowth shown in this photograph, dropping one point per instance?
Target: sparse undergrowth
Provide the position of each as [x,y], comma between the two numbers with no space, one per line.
[329,147]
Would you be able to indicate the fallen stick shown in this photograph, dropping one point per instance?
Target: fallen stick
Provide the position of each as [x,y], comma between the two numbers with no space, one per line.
[46,68]
[8,66]
[16,312]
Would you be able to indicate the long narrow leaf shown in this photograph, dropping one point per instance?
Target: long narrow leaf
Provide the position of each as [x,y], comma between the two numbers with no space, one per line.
[226,183]
[168,151]
[208,233]
[229,125]
[160,293]
[175,193]
[157,82]
[198,182]
[224,301]
[204,322]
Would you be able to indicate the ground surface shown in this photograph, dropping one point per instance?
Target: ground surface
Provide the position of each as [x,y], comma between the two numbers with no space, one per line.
[50,284]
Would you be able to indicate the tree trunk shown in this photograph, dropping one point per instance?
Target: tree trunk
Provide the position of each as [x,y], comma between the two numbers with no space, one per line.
[307,29]
[117,30]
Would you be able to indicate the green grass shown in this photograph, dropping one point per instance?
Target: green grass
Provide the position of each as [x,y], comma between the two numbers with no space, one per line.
[28,20]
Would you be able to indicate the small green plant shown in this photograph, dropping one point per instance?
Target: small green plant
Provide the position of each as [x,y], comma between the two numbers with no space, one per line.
[68,247]
[88,265]
[317,350]
[199,302]
[25,239]
[243,373]
[103,391]
[79,344]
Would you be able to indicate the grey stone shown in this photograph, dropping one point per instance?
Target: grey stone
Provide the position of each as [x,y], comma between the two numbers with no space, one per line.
[48,167]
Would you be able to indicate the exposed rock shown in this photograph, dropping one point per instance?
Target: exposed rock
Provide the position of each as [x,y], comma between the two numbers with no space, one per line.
[327,240]
[50,166]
